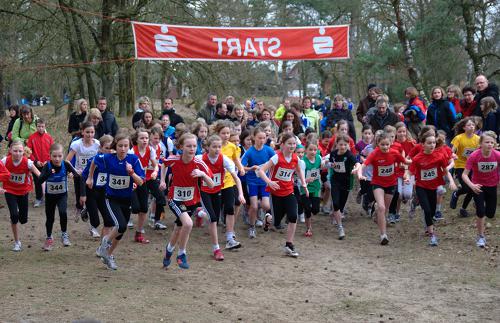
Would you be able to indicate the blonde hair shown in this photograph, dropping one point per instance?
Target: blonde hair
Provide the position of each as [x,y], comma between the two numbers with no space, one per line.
[221,124]
[340,97]
[490,134]
[183,138]
[94,112]
[106,139]
[210,140]
[456,90]
[412,92]
[78,104]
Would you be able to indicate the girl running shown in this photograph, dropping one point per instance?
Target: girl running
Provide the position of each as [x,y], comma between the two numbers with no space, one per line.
[384,179]
[83,150]
[161,152]
[200,130]
[55,175]
[429,169]
[282,166]
[366,139]
[123,171]
[483,164]
[311,168]
[17,187]
[343,163]
[184,194]
[464,144]
[211,197]
[223,129]
[254,157]
[94,198]
[245,144]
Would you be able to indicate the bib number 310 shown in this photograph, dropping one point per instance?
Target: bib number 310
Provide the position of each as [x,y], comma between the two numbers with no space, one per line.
[183,193]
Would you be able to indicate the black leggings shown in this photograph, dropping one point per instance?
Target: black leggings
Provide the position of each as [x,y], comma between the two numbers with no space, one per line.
[51,202]
[38,186]
[428,200]
[393,208]
[77,182]
[96,202]
[486,202]
[140,198]
[464,189]
[227,198]
[366,190]
[339,197]
[18,207]
[282,205]
[211,202]
[296,192]
[119,211]
[311,205]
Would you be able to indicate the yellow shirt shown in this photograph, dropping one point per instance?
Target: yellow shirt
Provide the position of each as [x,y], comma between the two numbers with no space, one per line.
[230,150]
[464,146]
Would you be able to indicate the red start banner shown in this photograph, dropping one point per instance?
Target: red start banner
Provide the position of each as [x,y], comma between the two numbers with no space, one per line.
[170,42]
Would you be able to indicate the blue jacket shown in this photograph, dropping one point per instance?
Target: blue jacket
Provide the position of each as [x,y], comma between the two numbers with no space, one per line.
[441,114]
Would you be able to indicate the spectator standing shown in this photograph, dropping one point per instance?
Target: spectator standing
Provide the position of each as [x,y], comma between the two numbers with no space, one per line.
[383,116]
[108,118]
[208,112]
[24,126]
[168,109]
[77,117]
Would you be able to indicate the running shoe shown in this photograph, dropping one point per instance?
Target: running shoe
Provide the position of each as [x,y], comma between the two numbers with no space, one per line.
[341,232]
[167,259]
[182,261]
[130,224]
[279,227]
[481,242]
[438,216]
[251,233]
[17,246]
[434,241]
[103,247]
[140,238]
[397,217]
[259,223]
[109,261]
[308,233]
[358,197]
[463,213]
[37,203]
[267,222]
[76,215]
[218,255]
[290,251]
[384,239]
[453,200]
[65,239]
[160,226]
[48,245]
[84,214]
[244,215]
[302,218]
[232,244]
[94,233]
[391,218]
[200,216]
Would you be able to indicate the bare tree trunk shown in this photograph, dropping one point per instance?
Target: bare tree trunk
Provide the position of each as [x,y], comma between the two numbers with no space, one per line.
[122,90]
[105,53]
[470,29]
[165,79]
[2,91]
[284,83]
[413,72]
[130,77]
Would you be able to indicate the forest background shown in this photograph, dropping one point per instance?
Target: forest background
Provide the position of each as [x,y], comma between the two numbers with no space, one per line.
[77,49]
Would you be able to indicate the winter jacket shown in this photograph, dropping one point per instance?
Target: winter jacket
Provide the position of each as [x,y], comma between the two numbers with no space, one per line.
[491,90]
[441,114]
[378,122]
[335,115]
[74,121]
[174,117]
[207,113]
[467,108]
[40,146]
[363,107]
[22,130]
[109,123]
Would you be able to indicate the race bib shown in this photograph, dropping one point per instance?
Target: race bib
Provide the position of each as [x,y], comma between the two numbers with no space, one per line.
[56,187]
[101,179]
[468,151]
[119,182]
[83,161]
[17,178]
[339,167]
[183,194]
[486,167]
[384,171]
[428,174]
[312,173]
[216,178]
[284,174]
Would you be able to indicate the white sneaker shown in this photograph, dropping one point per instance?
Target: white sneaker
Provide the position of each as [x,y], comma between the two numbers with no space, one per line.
[109,261]
[341,232]
[251,233]
[17,246]
[94,233]
[232,244]
[130,224]
[259,223]
[384,239]
[481,242]
[302,218]
[290,252]
[160,226]
[65,239]
[37,203]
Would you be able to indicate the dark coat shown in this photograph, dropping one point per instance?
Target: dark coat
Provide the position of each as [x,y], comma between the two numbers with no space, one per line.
[174,117]
[491,90]
[441,115]
[378,122]
[109,123]
[363,107]
[335,115]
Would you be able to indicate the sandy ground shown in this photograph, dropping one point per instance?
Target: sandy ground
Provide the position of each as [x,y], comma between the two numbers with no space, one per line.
[355,280]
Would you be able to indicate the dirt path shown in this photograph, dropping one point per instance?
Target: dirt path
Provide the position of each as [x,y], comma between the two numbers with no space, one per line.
[355,280]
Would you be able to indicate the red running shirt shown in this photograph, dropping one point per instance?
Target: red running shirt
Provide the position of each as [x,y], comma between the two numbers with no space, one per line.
[19,182]
[183,187]
[282,173]
[429,169]
[218,172]
[384,168]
